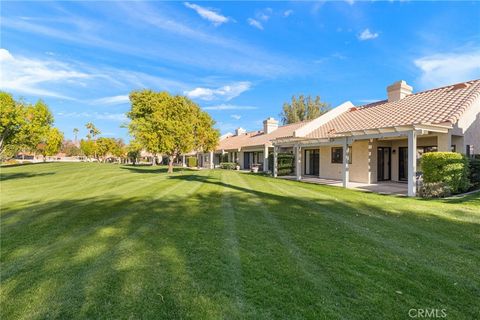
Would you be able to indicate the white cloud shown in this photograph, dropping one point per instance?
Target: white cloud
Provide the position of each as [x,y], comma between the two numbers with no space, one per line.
[229,107]
[350,2]
[367,35]
[121,99]
[116,117]
[287,13]
[226,93]
[236,116]
[31,76]
[255,23]
[448,68]
[208,14]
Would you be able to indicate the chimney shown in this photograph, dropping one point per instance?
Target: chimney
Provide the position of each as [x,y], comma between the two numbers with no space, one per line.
[240,131]
[398,91]
[270,125]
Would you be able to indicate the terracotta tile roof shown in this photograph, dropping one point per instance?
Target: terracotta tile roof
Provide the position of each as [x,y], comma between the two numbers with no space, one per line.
[281,132]
[436,106]
[258,138]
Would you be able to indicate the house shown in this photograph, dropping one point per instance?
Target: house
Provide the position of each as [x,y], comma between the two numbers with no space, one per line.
[383,141]
[369,144]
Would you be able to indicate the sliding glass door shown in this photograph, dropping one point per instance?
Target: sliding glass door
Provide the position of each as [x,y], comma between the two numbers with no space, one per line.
[384,169]
[312,162]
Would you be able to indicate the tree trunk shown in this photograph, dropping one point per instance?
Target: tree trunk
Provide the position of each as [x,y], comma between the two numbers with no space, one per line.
[170,164]
[154,163]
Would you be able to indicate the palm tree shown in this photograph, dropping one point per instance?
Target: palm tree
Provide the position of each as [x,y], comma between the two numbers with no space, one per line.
[92,132]
[75,133]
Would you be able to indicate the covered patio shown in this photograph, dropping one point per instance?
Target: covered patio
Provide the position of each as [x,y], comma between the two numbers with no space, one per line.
[390,188]
[384,159]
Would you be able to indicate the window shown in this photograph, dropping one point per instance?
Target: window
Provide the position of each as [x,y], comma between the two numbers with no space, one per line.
[469,151]
[337,155]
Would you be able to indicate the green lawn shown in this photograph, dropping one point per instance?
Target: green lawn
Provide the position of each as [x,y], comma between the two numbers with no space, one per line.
[105,241]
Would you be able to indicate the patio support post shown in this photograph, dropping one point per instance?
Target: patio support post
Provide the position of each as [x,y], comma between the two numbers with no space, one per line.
[275,164]
[183,161]
[211,160]
[345,167]
[298,162]
[370,161]
[265,158]
[412,163]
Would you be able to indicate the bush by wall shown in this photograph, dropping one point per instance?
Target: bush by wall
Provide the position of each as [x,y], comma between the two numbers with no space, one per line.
[191,162]
[449,168]
[228,165]
[475,172]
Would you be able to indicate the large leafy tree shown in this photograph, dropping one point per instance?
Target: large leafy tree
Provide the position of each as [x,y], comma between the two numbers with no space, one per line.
[301,109]
[134,150]
[23,125]
[88,147]
[38,123]
[166,124]
[12,119]
[51,143]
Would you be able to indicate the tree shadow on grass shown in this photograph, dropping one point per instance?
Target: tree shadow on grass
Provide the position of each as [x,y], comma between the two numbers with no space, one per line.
[154,169]
[21,175]
[222,254]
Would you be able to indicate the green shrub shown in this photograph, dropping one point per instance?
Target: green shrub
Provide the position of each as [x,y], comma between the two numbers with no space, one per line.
[475,172]
[228,165]
[285,161]
[449,168]
[191,162]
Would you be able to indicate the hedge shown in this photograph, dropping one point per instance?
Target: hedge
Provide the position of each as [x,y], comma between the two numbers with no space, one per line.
[285,163]
[449,168]
[475,173]
[192,162]
[228,165]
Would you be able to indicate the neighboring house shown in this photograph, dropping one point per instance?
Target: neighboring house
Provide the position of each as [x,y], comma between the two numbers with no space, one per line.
[383,141]
[248,148]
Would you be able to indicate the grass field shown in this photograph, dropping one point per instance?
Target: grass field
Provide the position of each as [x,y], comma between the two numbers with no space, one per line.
[105,241]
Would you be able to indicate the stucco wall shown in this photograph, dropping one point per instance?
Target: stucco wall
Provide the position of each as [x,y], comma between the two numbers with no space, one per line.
[329,170]
[359,165]
[469,126]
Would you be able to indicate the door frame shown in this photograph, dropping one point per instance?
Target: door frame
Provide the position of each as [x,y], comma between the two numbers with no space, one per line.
[405,165]
[312,151]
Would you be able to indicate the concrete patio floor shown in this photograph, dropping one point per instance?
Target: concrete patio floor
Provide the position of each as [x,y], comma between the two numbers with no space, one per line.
[387,187]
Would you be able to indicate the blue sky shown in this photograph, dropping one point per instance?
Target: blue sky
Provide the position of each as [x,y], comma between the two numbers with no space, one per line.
[238,60]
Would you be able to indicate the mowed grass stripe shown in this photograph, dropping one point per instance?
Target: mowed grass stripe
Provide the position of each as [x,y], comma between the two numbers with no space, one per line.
[104,241]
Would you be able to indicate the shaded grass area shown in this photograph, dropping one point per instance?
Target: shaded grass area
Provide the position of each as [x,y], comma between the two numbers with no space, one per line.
[104,241]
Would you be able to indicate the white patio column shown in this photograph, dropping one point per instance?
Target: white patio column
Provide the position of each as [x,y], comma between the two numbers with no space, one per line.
[370,161]
[275,164]
[183,161]
[265,158]
[444,142]
[412,163]
[298,162]
[345,166]
[211,160]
